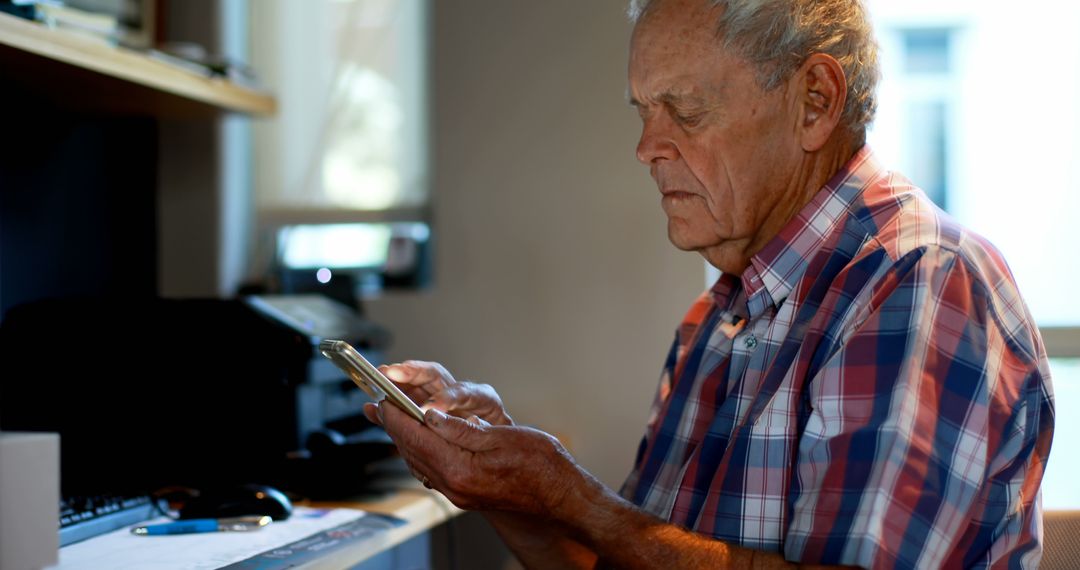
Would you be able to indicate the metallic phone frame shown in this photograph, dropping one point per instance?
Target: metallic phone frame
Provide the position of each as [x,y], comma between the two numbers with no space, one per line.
[367,377]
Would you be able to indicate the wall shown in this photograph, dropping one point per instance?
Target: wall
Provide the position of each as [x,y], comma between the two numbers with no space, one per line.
[555,281]
[204,180]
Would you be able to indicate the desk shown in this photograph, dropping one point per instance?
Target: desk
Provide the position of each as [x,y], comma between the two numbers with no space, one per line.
[398,496]
[405,498]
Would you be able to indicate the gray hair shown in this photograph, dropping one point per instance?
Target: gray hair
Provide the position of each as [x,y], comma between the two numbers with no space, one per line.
[777,36]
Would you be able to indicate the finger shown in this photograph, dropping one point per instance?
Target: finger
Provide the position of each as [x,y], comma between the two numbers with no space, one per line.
[418,379]
[433,370]
[420,470]
[426,475]
[407,377]
[419,476]
[417,394]
[422,450]
[417,373]
[471,436]
[419,465]
[402,372]
[450,398]
[431,375]
[461,396]
[407,372]
[474,419]
[371,412]
[464,399]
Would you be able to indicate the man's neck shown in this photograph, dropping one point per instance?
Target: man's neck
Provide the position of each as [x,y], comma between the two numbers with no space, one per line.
[808,178]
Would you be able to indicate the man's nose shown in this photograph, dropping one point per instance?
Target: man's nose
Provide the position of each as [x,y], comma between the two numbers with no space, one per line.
[655,143]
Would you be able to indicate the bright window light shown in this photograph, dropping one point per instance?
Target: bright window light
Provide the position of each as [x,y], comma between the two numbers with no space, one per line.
[1004,169]
[334,245]
[1060,491]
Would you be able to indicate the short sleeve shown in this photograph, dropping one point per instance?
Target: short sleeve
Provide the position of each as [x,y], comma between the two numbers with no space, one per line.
[928,429]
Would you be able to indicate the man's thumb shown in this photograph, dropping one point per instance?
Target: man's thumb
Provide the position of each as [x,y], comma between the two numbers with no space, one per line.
[468,435]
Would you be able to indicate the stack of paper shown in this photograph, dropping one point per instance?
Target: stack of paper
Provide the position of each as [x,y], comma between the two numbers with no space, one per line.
[281,544]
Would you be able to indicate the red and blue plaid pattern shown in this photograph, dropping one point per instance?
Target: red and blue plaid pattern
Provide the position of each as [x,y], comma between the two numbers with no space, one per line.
[887,402]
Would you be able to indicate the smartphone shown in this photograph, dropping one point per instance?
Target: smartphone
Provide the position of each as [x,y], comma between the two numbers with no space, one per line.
[367,377]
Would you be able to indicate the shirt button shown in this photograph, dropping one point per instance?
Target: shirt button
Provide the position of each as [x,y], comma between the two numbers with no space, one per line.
[750,342]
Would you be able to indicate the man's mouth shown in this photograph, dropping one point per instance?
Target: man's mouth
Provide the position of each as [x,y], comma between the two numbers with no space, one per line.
[676,194]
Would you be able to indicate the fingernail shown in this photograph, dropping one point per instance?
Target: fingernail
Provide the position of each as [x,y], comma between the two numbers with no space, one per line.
[394,374]
[379,411]
[434,417]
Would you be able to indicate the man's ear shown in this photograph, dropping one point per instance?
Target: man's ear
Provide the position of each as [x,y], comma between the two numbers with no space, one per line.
[822,92]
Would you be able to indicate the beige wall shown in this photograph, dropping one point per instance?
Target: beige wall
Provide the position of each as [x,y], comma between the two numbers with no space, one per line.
[555,281]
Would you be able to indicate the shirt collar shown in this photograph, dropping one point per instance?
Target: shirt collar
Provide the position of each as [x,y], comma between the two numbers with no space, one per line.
[723,290]
[775,270]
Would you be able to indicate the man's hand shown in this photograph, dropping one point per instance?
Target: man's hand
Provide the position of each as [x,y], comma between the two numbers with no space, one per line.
[559,515]
[479,466]
[430,385]
[535,540]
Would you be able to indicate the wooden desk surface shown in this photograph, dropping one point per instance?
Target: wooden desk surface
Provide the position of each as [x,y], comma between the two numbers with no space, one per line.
[399,496]
[404,498]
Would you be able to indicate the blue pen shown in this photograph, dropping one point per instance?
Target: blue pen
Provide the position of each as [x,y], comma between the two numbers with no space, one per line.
[236,524]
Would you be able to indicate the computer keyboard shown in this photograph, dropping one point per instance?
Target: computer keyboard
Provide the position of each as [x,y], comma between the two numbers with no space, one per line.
[86,517]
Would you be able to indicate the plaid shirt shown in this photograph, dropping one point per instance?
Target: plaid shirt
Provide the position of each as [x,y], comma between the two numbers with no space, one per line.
[870,391]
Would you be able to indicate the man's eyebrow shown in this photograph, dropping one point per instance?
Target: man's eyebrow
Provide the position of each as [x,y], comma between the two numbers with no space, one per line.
[682,99]
[668,98]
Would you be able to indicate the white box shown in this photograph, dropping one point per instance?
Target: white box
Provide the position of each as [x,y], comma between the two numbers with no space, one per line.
[29,500]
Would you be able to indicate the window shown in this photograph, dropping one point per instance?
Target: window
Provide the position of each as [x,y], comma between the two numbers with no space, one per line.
[928,102]
[341,172]
[977,106]
[918,102]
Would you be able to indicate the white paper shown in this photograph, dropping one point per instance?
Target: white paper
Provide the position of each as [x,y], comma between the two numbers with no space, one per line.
[198,551]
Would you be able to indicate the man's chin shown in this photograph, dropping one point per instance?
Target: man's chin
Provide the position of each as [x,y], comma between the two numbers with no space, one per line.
[679,238]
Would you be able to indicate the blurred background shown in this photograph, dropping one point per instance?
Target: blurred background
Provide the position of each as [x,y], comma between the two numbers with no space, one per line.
[503,128]
[462,174]
[552,277]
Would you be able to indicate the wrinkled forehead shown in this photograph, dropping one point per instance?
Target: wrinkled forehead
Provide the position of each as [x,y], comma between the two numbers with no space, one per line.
[670,27]
[672,38]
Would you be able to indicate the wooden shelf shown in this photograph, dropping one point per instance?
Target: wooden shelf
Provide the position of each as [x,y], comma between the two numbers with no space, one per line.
[83,74]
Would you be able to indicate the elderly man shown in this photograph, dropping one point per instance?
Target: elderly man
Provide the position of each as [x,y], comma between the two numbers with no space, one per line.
[863,385]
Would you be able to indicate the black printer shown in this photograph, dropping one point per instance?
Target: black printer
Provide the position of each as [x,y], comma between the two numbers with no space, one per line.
[153,393]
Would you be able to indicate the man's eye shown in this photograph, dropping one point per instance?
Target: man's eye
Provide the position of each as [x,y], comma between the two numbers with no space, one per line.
[689,119]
